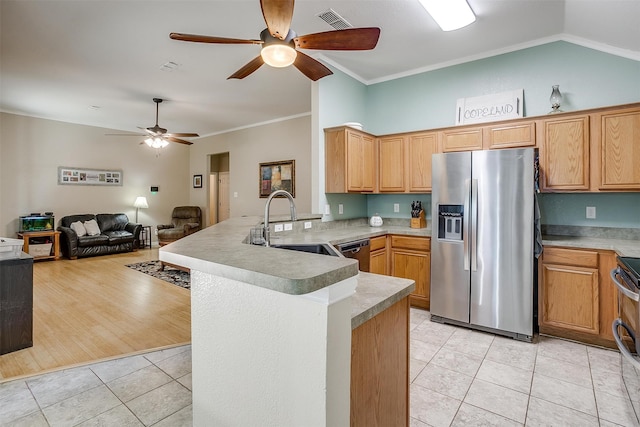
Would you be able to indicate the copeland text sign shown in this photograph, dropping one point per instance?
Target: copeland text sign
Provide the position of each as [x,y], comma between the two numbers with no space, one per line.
[489,108]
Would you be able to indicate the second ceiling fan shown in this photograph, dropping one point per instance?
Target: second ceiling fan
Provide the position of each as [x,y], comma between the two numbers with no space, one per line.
[280,43]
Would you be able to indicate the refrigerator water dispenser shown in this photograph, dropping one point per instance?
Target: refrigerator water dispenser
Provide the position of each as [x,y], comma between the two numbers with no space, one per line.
[450,222]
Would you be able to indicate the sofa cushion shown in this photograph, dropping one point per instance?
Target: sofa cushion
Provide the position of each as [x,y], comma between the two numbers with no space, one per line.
[108,222]
[86,241]
[118,236]
[92,227]
[79,228]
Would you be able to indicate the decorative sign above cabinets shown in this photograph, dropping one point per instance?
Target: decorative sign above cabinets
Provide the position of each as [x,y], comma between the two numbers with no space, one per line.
[490,108]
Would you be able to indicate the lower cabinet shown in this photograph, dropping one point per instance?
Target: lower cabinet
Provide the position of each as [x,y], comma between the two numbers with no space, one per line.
[378,256]
[411,259]
[576,297]
[380,369]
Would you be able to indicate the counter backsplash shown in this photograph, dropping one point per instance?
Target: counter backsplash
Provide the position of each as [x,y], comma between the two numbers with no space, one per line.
[595,232]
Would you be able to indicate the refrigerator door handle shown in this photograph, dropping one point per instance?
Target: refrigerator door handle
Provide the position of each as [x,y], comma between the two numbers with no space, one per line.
[474,225]
[465,223]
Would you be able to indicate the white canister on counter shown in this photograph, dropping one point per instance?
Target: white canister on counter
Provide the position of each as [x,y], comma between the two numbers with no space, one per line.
[375,221]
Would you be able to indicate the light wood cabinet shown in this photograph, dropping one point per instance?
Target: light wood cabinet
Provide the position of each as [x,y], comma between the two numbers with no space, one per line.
[461,139]
[392,155]
[350,161]
[576,299]
[616,150]
[380,369]
[510,135]
[378,255]
[411,259]
[564,153]
[422,146]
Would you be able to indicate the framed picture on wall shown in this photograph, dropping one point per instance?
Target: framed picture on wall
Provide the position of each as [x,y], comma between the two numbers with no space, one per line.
[277,176]
[197,181]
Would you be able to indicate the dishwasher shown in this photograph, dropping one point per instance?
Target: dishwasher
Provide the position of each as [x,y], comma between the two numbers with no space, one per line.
[356,249]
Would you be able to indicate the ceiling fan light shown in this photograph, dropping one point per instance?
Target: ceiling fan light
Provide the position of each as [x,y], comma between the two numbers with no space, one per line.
[449,14]
[278,55]
[156,142]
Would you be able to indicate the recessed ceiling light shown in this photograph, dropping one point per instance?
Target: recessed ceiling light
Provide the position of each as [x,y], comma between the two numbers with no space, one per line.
[169,66]
[449,14]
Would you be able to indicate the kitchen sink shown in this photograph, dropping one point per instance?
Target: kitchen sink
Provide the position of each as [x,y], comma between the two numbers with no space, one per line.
[313,248]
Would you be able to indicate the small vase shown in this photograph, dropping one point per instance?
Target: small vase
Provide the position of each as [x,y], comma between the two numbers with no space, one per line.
[555,99]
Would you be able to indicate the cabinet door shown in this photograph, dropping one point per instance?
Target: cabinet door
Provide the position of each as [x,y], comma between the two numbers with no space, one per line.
[415,266]
[461,140]
[510,135]
[421,148]
[360,162]
[570,298]
[378,262]
[619,150]
[564,160]
[391,152]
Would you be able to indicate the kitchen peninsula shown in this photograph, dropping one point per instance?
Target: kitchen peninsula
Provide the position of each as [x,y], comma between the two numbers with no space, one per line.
[288,338]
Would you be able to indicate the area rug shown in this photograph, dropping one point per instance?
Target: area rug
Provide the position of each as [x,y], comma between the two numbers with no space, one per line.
[171,275]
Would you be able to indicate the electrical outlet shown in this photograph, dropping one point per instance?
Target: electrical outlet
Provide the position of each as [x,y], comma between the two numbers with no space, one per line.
[591,212]
[327,209]
[340,209]
[288,226]
[307,225]
[277,228]
[235,194]
[396,207]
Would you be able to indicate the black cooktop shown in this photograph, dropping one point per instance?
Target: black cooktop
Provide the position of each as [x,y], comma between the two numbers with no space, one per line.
[632,267]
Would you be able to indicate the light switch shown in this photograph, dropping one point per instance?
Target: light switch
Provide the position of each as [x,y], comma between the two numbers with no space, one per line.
[327,209]
[340,209]
[396,207]
[591,212]
[288,226]
[277,228]
[235,194]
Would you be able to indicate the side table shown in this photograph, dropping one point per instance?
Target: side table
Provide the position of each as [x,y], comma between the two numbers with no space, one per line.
[51,234]
[144,240]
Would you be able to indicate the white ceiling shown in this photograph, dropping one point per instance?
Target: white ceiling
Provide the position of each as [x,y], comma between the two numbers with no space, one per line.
[59,58]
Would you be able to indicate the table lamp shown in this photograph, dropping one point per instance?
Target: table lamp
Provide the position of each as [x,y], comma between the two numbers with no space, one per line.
[141,202]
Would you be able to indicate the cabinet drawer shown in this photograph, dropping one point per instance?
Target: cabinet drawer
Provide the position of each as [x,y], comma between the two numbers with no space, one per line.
[378,243]
[415,243]
[570,257]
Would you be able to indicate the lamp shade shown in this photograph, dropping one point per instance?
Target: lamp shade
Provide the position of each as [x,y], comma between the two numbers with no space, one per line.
[141,202]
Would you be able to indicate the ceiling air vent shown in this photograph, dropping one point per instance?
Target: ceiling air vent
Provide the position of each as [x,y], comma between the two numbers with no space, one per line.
[332,18]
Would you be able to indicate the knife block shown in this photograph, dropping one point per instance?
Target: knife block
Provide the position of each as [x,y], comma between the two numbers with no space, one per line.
[420,222]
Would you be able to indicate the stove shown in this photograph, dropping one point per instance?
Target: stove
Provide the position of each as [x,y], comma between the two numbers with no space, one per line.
[626,277]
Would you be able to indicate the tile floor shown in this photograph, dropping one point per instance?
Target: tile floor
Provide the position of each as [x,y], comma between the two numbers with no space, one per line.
[459,377]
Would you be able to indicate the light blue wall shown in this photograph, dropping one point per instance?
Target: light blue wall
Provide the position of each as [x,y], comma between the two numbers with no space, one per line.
[341,99]
[587,79]
[382,204]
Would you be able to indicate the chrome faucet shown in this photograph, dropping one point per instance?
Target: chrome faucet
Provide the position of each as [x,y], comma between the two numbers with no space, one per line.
[292,205]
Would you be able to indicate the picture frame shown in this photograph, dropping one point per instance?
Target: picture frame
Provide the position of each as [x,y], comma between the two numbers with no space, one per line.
[274,176]
[197,181]
[86,176]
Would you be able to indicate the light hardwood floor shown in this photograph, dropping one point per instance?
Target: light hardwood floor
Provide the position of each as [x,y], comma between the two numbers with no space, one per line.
[95,309]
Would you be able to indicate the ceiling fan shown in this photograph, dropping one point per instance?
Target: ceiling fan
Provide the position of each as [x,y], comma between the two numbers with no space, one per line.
[158,137]
[280,43]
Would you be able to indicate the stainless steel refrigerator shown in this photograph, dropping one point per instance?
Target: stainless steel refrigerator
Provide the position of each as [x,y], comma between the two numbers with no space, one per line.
[482,260]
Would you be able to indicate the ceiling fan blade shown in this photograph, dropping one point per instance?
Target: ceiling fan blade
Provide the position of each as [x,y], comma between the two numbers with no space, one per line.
[210,39]
[124,134]
[249,68]
[178,140]
[278,15]
[348,39]
[310,67]
[182,135]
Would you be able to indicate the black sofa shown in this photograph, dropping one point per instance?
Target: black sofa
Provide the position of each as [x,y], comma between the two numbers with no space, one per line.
[117,234]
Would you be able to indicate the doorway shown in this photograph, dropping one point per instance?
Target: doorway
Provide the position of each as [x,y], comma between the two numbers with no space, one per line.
[219,203]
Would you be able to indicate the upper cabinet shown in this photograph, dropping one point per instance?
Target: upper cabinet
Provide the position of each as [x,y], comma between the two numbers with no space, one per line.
[564,153]
[586,151]
[405,162]
[616,149]
[350,161]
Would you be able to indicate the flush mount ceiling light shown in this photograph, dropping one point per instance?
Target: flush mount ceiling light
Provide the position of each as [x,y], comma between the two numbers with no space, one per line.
[278,53]
[449,14]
